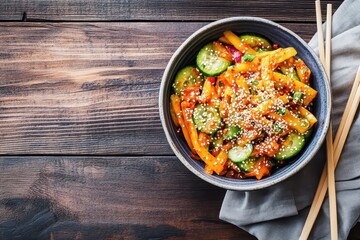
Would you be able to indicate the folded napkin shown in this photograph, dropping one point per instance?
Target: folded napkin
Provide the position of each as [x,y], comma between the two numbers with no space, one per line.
[280,211]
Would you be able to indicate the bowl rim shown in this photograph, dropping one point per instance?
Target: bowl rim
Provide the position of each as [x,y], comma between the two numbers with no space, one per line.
[282,177]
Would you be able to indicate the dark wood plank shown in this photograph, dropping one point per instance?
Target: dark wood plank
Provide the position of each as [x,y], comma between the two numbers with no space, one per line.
[81,88]
[110,10]
[108,198]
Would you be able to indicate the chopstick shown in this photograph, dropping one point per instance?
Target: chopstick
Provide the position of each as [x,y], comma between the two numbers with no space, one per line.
[329,138]
[339,142]
[348,116]
[320,31]
[316,204]
[347,108]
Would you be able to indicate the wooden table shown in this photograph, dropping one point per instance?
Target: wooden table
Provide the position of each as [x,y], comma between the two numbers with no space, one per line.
[83,153]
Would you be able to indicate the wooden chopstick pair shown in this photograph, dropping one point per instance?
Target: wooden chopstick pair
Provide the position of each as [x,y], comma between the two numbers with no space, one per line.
[339,142]
[327,179]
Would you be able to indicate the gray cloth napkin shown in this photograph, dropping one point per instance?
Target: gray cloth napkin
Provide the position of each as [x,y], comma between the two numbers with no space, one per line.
[279,212]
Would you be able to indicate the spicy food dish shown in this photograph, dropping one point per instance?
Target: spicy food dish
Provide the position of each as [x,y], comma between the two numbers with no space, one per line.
[244,107]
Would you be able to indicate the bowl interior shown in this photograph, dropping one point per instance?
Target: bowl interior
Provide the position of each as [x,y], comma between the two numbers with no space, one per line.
[186,54]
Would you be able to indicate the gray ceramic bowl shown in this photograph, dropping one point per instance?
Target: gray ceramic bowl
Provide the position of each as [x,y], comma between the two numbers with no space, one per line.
[186,54]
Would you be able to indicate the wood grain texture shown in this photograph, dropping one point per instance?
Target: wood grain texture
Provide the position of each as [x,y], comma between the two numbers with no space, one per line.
[108,198]
[81,88]
[135,10]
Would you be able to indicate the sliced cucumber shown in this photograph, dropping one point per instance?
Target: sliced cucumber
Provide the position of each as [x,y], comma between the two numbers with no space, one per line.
[187,77]
[308,134]
[209,62]
[291,146]
[206,118]
[238,153]
[256,41]
[232,132]
[248,165]
[216,142]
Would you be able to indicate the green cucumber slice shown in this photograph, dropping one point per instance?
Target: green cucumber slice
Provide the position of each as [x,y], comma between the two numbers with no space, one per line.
[256,41]
[209,63]
[232,132]
[308,134]
[216,142]
[291,146]
[187,77]
[206,118]
[247,165]
[238,153]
